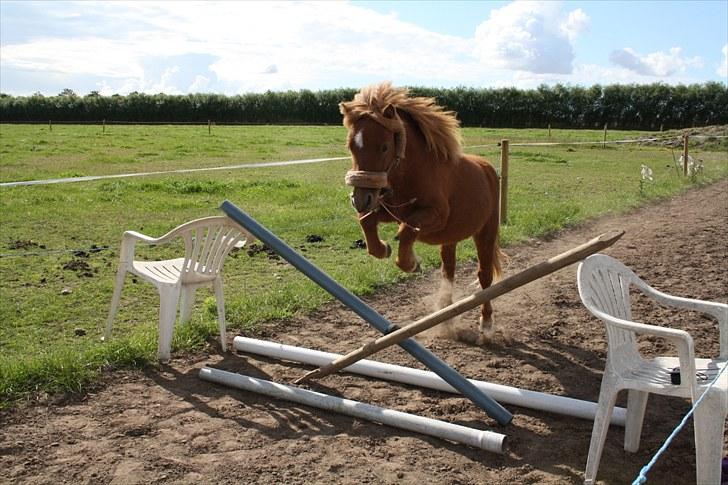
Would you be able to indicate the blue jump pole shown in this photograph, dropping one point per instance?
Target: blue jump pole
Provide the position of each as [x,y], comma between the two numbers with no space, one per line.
[447,373]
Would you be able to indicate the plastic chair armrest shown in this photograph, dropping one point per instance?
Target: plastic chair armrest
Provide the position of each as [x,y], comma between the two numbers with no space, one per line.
[680,338]
[128,244]
[719,311]
[642,328]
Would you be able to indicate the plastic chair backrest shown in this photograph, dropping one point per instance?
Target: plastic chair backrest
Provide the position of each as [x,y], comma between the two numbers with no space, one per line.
[207,242]
[604,285]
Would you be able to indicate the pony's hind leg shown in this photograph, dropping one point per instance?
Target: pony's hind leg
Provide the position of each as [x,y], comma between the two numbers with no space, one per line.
[486,242]
[444,294]
[447,255]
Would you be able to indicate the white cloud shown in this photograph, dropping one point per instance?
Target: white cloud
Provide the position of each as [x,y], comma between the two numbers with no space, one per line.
[723,68]
[591,74]
[89,55]
[576,23]
[252,46]
[166,84]
[536,37]
[199,84]
[658,64]
[236,47]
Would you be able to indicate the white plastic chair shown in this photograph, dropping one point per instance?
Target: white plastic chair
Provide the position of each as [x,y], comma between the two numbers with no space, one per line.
[604,285]
[207,242]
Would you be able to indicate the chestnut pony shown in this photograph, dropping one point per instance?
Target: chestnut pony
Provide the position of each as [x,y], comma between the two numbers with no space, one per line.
[408,168]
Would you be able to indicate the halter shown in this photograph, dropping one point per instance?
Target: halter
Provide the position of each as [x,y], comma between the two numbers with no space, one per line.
[367,179]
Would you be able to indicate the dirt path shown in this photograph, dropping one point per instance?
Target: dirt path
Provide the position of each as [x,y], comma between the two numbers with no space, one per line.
[168,426]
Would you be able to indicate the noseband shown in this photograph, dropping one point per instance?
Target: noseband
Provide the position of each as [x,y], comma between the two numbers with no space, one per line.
[365,179]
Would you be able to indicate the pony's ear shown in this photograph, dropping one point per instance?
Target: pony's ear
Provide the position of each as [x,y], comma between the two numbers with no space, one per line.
[344,108]
[390,112]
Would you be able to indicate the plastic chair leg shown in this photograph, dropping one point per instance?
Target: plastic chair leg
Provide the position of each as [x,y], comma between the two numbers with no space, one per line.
[188,302]
[168,300]
[636,405]
[607,399]
[220,298]
[118,286]
[709,424]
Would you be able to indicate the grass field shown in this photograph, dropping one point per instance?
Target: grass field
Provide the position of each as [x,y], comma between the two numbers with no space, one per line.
[59,243]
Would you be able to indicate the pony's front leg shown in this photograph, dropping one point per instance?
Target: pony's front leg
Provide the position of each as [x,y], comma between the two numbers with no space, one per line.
[375,246]
[407,261]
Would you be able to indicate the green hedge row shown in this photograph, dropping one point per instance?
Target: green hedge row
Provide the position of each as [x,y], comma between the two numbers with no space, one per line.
[644,107]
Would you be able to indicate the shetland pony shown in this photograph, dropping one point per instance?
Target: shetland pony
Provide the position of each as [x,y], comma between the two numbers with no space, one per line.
[408,168]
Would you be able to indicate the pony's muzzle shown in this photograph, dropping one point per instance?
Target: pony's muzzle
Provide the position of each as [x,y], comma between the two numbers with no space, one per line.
[367,188]
[365,200]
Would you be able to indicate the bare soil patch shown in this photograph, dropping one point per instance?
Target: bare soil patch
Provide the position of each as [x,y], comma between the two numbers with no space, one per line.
[167,426]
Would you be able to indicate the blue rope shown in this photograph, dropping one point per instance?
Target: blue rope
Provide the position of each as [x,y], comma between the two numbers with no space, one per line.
[642,477]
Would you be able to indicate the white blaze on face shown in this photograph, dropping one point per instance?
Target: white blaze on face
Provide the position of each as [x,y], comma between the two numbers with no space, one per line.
[359,139]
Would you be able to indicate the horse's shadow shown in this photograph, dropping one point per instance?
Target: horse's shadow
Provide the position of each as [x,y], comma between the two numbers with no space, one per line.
[578,371]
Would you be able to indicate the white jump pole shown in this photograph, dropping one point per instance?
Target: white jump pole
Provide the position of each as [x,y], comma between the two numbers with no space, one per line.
[406,375]
[486,440]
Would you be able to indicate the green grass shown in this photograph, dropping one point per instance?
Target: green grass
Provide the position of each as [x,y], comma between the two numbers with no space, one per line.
[47,293]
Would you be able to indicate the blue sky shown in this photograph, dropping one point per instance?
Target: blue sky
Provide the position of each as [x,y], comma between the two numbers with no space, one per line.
[237,47]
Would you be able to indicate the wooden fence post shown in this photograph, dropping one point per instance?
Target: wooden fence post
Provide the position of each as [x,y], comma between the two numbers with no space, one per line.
[50,125]
[549,131]
[504,182]
[685,154]
[209,127]
[605,136]
[103,130]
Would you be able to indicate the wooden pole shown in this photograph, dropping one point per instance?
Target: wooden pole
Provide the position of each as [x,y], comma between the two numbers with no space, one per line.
[549,131]
[209,127]
[605,136]
[504,183]
[103,130]
[685,154]
[504,286]
[50,125]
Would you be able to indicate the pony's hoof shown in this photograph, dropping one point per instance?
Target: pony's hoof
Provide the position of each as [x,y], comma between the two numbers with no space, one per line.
[415,268]
[382,254]
[487,327]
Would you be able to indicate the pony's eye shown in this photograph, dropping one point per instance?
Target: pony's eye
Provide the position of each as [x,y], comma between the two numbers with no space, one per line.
[384,147]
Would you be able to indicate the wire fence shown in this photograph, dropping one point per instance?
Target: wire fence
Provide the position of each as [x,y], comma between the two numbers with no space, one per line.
[89,178]
[285,163]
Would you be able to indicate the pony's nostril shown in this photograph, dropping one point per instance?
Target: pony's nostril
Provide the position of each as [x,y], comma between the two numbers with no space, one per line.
[352,200]
[369,200]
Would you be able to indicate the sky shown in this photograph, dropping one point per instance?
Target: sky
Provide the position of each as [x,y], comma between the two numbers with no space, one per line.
[229,47]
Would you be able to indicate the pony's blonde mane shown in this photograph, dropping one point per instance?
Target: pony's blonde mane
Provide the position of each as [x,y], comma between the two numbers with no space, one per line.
[440,128]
